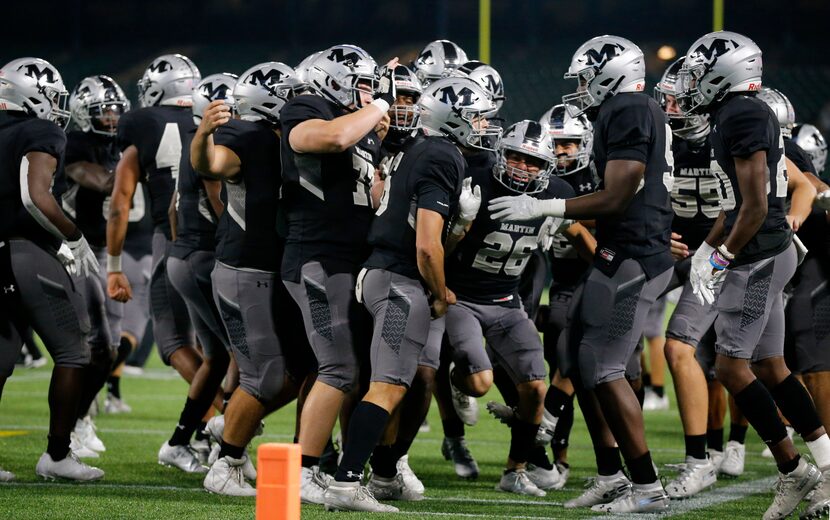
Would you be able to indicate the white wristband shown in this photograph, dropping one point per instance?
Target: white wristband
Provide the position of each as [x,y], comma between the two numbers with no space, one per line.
[113,263]
[553,207]
[382,105]
[459,227]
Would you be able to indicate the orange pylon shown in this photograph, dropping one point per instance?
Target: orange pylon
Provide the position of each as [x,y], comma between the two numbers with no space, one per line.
[278,481]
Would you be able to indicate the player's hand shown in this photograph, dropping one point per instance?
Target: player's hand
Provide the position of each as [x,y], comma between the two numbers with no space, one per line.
[794,222]
[85,259]
[470,201]
[215,115]
[700,273]
[679,250]
[386,86]
[823,200]
[521,207]
[438,308]
[451,299]
[67,259]
[118,287]
[382,128]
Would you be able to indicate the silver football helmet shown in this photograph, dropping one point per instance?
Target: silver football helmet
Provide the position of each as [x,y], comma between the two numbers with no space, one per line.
[693,128]
[97,103]
[561,126]
[809,138]
[301,70]
[784,111]
[458,108]
[169,80]
[437,60]
[262,91]
[486,76]
[336,72]
[532,140]
[715,65]
[211,88]
[604,66]
[405,118]
[34,86]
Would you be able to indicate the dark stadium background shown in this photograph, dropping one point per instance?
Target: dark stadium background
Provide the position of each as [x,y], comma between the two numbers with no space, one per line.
[532,40]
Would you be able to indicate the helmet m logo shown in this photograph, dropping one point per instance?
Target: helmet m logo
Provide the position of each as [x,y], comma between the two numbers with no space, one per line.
[426,58]
[260,77]
[340,55]
[598,58]
[220,91]
[33,71]
[718,47]
[492,84]
[160,66]
[451,97]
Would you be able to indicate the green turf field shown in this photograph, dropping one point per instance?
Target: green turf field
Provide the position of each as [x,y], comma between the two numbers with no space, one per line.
[135,486]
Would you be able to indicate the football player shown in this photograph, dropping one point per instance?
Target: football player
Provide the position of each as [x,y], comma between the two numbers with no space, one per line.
[245,154]
[329,153]
[37,286]
[402,283]
[632,152]
[437,60]
[748,257]
[151,140]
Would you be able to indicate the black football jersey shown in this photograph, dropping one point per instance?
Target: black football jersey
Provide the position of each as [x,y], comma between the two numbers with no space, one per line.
[486,266]
[427,173]
[326,197]
[695,196]
[247,230]
[631,126]
[741,126]
[195,219]
[159,134]
[21,134]
[814,231]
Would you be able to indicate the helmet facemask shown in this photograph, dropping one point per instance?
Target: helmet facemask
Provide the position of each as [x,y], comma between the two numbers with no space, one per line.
[580,101]
[531,179]
[482,136]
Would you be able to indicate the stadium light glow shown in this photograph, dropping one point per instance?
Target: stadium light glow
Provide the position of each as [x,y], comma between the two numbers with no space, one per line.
[666,53]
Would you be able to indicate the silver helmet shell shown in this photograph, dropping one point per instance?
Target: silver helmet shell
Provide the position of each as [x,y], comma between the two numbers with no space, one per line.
[486,76]
[530,139]
[168,80]
[34,86]
[784,111]
[262,91]
[211,88]
[715,65]
[437,60]
[693,128]
[810,139]
[92,98]
[604,66]
[301,70]
[336,72]
[561,125]
[452,107]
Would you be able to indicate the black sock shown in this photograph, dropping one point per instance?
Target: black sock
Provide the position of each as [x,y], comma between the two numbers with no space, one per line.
[646,377]
[641,395]
[114,386]
[539,457]
[696,446]
[309,461]
[796,405]
[383,462]
[235,452]
[453,427]
[608,460]
[365,428]
[789,467]
[562,433]
[188,422]
[200,434]
[758,407]
[556,401]
[522,440]
[714,439]
[659,390]
[737,432]
[57,447]
[642,469]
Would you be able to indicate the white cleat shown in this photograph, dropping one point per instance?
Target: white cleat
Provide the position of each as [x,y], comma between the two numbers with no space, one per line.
[313,485]
[351,496]
[502,412]
[181,457]
[394,488]
[544,479]
[791,488]
[517,481]
[409,477]
[225,478]
[6,476]
[767,453]
[716,457]
[455,449]
[603,489]
[85,430]
[564,473]
[734,457]
[69,468]
[546,429]
[640,498]
[116,405]
[652,402]
[78,448]
[696,475]
[465,406]
[201,448]
[819,505]
[132,370]
[248,469]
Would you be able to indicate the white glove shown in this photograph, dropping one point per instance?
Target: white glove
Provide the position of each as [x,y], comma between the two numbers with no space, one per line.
[525,207]
[551,227]
[823,200]
[67,259]
[469,202]
[85,260]
[701,272]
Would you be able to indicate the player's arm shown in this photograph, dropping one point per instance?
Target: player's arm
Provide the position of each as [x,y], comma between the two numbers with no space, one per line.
[430,256]
[171,214]
[802,195]
[716,234]
[37,198]
[213,189]
[622,177]
[127,174]
[582,240]
[207,158]
[377,188]
[91,176]
[751,172]
[822,199]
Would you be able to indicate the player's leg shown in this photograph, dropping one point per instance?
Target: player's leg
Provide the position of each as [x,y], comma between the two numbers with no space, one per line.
[654,334]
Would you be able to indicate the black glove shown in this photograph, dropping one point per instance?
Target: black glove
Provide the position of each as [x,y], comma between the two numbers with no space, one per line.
[386,86]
